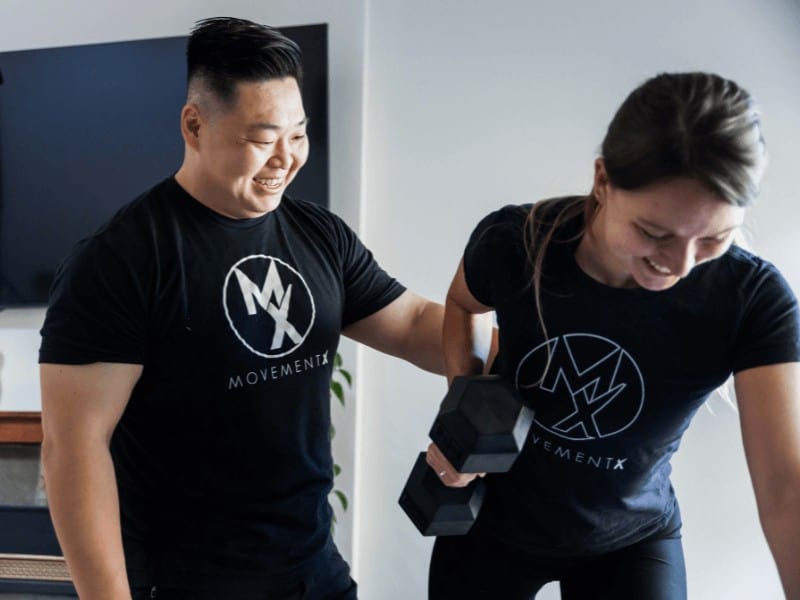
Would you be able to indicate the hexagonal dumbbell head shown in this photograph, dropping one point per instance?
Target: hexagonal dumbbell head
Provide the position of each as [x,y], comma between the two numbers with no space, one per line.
[436,509]
[482,424]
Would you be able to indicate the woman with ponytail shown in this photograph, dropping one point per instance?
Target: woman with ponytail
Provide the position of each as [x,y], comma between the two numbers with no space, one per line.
[619,312]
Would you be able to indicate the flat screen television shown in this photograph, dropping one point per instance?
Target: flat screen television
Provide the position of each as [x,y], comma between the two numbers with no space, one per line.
[86,129]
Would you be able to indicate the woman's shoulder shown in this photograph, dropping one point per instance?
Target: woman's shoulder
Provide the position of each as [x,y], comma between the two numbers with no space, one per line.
[523,224]
[509,214]
[749,274]
[503,227]
[544,212]
[744,262]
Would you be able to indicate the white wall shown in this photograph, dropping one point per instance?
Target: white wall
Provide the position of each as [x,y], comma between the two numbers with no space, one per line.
[471,105]
[27,24]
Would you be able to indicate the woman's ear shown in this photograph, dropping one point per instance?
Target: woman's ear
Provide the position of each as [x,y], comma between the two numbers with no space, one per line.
[601,184]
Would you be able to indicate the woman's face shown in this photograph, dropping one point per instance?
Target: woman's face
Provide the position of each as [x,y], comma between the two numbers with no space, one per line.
[653,236]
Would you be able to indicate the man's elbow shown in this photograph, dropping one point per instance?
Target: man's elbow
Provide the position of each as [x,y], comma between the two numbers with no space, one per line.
[62,448]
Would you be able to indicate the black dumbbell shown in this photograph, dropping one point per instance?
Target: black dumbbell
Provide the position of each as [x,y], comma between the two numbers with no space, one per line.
[481,427]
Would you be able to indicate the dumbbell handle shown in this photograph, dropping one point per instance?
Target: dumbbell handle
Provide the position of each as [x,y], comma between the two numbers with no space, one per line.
[481,426]
[487,436]
[456,508]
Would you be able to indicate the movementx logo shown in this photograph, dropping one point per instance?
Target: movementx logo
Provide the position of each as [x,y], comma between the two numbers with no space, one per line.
[268,305]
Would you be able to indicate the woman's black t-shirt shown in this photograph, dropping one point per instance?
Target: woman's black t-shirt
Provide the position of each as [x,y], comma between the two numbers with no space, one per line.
[625,370]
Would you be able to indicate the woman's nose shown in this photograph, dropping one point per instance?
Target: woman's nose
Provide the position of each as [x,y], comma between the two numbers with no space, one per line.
[682,259]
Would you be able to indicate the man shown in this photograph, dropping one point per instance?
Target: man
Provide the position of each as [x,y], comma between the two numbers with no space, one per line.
[187,350]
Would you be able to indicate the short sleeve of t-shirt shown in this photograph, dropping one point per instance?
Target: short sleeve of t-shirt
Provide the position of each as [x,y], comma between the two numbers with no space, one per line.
[769,332]
[96,310]
[368,288]
[495,253]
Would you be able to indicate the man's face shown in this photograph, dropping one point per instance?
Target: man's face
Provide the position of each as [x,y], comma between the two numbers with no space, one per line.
[249,152]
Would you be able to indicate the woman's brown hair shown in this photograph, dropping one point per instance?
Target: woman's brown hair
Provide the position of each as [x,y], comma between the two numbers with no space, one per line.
[695,125]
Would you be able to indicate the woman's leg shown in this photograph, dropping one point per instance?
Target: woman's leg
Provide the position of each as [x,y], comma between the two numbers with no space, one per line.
[475,568]
[652,569]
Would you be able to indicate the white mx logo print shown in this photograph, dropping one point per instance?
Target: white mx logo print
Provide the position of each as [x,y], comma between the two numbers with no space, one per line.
[273,286]
[591,389]
[274,298]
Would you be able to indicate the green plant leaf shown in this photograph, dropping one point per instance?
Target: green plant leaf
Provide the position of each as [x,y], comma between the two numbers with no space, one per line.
[338,391]
[342,498]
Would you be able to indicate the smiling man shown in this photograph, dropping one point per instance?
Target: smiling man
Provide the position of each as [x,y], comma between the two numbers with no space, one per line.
[187,350]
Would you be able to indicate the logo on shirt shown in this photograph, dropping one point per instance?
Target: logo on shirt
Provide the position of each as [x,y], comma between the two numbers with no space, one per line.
[591,389]
[268,305]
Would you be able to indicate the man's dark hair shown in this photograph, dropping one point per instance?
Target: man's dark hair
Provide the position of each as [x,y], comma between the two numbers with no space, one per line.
[222,51]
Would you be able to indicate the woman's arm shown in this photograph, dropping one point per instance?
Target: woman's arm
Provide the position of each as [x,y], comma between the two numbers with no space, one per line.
[466,340]
[769,407]
[467,332]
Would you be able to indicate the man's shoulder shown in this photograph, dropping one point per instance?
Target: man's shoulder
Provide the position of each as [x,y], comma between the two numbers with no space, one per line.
[297,205]
[315,218]
[148,205]
[132,229]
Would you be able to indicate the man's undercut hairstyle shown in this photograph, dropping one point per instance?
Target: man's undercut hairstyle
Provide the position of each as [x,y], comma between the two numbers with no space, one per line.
[224,51]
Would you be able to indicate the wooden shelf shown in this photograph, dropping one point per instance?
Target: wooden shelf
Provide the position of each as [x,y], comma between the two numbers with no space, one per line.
[20,427]
[33,568]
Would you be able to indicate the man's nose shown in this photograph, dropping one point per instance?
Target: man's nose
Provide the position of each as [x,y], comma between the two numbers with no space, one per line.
[281,156]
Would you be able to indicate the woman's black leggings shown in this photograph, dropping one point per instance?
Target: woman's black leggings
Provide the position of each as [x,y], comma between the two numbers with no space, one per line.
[475,567]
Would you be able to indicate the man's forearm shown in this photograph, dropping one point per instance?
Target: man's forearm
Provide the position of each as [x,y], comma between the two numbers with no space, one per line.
[82,494]
[424,346]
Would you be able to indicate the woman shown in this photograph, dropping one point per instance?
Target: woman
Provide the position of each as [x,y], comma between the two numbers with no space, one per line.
[619,313]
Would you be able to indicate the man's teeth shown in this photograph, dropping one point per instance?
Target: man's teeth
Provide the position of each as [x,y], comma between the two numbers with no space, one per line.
[273,182]
[657,267]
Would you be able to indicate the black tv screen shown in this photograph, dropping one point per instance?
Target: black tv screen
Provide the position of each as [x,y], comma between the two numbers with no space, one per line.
[86,129]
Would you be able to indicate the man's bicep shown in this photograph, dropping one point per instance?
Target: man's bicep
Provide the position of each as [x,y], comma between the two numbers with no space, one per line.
[386,329]
[85,400]
[410,327]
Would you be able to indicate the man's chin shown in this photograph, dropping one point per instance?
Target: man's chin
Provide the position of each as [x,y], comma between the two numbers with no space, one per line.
[251,208]
[658,285]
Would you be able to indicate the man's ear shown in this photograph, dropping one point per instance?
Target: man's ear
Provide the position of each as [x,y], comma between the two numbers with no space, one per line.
[191,122]
[601,183]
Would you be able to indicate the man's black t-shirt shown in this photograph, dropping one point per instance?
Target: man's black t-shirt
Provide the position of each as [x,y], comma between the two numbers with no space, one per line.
[627,370]
[223,454]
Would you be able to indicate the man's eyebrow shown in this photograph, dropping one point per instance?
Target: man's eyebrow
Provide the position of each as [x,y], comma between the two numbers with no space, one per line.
[272,126]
